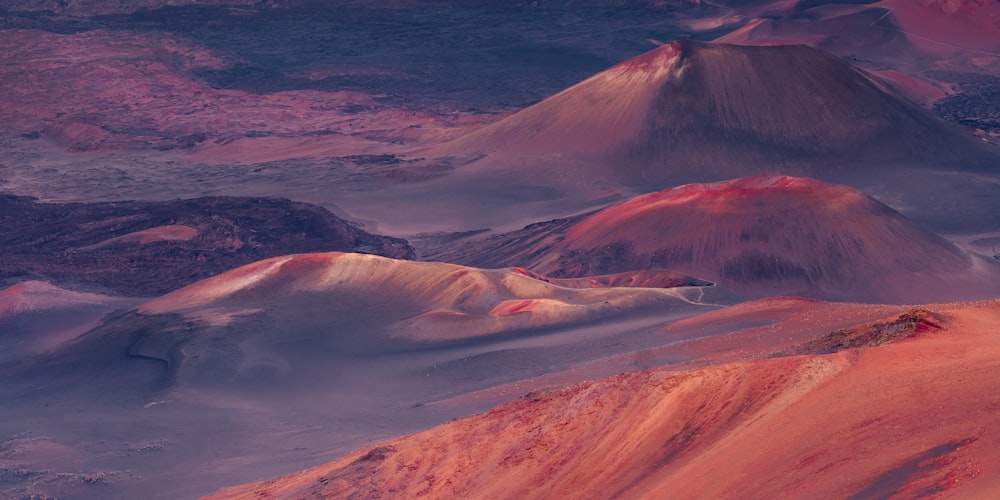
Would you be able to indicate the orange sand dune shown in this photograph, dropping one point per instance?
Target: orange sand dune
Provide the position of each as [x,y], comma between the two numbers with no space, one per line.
[228,330]
[911,418]
[295,360]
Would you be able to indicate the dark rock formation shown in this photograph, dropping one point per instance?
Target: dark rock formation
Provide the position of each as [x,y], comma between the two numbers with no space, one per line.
[150,248]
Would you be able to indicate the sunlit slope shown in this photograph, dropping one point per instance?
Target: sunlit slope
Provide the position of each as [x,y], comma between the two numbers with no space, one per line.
[910,418]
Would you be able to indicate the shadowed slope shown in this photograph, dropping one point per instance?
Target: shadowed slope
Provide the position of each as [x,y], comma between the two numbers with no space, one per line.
[858,31]
[805,426]
[36,316]
[758,236]
[929,50]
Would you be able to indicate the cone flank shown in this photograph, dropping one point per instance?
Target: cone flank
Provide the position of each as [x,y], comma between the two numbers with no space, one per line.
[695,111]
[760,236]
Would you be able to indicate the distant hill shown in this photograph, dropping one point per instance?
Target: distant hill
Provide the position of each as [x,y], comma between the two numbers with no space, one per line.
[698,111]
[149,248]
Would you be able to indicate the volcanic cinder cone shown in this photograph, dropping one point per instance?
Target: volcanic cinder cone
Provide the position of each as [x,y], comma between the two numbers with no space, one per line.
[760,236]
[699,111]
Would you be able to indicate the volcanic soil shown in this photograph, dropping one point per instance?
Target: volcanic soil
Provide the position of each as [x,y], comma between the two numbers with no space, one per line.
[908,418]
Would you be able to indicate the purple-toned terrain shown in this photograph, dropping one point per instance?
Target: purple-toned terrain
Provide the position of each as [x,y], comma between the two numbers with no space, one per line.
[499,249]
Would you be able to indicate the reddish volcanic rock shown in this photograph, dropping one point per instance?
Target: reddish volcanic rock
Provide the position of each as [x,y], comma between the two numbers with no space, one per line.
[759,236]
[909,324]
[903,420]
[762,327]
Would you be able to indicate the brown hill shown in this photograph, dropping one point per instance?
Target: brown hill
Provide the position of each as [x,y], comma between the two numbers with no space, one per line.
[759,236]
[149,248]
[700,111]
[861,423]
